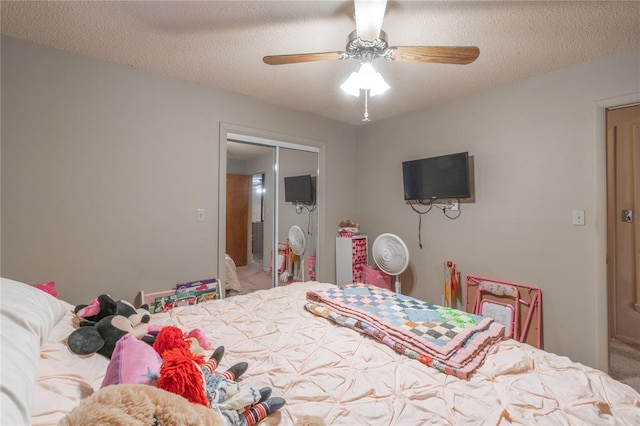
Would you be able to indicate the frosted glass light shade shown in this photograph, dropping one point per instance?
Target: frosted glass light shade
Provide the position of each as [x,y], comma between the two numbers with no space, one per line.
[365,79]
[378,85]
[352,85]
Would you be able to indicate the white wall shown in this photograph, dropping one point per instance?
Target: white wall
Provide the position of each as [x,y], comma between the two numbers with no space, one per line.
[537,158]
[104,166]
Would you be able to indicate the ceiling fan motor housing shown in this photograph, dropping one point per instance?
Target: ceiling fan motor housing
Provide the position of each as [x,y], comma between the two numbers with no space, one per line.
[367,51]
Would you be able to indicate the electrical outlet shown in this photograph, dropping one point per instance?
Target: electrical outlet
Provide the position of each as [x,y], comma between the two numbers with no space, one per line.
[455,206]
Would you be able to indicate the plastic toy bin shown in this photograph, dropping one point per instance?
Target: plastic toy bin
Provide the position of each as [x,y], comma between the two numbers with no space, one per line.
[374,276]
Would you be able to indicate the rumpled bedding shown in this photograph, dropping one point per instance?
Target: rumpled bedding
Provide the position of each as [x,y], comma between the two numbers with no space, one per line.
[347,378]
[452,341]
[232,283]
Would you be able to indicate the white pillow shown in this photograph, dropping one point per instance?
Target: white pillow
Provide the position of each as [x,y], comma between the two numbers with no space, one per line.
[27,315]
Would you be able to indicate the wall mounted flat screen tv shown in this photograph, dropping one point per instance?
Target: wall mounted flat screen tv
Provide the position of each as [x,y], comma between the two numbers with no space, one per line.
[446,176]
[298,189]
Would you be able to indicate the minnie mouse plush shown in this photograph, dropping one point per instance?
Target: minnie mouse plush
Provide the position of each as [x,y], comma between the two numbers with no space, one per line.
[103,322]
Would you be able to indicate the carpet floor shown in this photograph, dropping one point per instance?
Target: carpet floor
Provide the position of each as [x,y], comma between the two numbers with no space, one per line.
[624,363]
[252,278]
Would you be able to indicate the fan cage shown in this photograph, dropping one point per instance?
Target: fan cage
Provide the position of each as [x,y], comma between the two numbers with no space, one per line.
[297,240]
[390,254]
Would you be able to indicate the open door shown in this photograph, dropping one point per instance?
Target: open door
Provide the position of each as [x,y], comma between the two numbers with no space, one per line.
[238,193]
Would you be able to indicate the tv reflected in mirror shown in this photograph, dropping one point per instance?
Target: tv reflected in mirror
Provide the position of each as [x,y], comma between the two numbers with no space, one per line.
[298,189]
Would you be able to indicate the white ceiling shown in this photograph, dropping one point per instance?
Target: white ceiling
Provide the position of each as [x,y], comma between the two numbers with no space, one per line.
[221,44]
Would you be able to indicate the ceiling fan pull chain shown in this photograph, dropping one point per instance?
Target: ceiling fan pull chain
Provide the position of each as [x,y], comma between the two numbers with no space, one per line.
[366,106]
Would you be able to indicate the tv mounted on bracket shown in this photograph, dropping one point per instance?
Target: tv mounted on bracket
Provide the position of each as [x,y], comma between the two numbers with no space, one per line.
[446,176]
[298,189]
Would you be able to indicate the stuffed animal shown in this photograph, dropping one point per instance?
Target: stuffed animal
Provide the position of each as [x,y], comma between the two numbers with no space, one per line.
[348,223]
[307,420]
[104,306]
[189,375]
[139,405]
[101,336]
[49,287]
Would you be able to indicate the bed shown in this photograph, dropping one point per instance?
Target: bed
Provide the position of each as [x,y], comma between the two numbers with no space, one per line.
[232,283]
[320,368]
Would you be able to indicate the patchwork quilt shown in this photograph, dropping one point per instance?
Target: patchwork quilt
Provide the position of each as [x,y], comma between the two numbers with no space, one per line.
[452,341]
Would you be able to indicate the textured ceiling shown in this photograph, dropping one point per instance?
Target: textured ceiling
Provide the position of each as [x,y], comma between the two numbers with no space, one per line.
[221,44]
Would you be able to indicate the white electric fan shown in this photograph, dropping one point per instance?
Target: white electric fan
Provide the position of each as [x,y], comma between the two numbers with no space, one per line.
[298,242]
[391,255]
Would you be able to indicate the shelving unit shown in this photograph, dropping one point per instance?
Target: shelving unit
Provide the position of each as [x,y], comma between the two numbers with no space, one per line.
[351,258]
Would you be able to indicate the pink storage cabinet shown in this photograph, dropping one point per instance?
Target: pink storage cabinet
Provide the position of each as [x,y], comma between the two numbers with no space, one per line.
[351,257]
[374,276]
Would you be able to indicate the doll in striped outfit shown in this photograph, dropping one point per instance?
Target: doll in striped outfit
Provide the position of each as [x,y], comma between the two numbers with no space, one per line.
[189,375]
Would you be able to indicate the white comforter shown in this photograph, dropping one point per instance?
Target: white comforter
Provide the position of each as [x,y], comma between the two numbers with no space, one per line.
[349,379]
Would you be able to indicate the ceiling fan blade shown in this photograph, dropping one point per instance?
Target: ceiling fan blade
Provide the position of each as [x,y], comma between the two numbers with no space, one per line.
[369,16]
[458,55]
[303,57]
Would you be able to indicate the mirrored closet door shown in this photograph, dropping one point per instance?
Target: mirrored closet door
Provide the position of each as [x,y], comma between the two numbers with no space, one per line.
[270,232]
[298,214]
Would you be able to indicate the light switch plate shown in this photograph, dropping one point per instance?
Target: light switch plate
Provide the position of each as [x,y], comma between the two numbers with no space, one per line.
[578,217]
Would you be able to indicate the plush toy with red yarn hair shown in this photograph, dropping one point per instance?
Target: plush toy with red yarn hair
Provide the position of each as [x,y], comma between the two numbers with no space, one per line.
[169,337]
[194,378]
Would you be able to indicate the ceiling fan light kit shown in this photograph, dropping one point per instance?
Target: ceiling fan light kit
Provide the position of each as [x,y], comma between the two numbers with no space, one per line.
[367,43]
[366,78]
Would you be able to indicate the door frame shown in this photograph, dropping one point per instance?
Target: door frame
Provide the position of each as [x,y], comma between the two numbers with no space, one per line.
[239,133]
[601,326]
[612,230]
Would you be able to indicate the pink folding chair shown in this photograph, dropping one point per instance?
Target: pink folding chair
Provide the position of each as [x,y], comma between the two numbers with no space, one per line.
[504,311]
[506,302]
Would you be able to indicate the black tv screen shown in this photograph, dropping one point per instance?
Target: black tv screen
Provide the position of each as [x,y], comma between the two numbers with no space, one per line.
[446,176]
[298,189]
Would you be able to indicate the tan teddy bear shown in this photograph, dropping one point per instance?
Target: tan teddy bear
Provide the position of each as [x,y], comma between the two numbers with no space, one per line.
[138,405]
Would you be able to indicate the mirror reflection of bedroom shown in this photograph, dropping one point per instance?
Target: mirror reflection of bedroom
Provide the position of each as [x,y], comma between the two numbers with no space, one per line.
[252,216]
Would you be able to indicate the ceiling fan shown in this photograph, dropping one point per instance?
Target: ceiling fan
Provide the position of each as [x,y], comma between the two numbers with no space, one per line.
[368,42]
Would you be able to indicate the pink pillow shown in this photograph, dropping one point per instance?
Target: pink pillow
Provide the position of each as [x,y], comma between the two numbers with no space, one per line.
[133,362]
[49,287]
